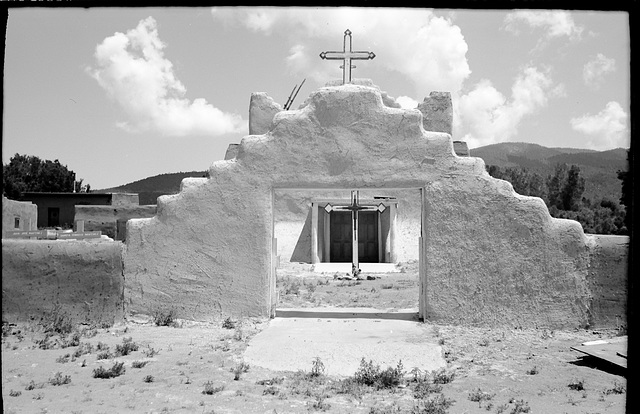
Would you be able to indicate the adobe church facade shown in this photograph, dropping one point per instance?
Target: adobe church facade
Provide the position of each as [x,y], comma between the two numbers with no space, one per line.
[487,255]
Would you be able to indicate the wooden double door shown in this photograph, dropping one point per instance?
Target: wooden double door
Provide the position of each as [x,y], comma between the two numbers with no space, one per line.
[341,235]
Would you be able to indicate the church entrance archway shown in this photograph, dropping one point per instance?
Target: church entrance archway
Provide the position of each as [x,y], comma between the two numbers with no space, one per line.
[313,239]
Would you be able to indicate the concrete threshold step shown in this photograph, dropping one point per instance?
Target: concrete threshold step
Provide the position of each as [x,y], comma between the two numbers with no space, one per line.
[348,313]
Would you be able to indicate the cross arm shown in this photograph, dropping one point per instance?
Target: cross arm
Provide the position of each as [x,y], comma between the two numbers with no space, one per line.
[380,207]
[356,55]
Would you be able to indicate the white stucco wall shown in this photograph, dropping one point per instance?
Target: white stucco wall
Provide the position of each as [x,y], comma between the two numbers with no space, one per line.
[493,257]
[489,255]
[25,211]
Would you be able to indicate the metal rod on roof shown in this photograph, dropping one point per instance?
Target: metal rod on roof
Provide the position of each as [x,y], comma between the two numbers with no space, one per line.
[294,96]
[286,104]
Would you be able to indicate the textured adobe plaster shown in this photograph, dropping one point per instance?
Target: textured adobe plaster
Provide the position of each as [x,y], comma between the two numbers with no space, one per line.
[262,109]
[81,279]
[607,277]
[491,256]
[495,257]
[437,112]
[208,250]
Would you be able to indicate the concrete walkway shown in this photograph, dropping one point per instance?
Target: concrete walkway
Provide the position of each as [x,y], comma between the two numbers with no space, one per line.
[341,337]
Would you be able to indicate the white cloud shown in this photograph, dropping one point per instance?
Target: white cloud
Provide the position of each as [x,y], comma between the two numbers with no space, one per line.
[596,68]
[132,69]
[488,117]
[407,102]
[606,130]
[555,23]
[300,60]
[431,51]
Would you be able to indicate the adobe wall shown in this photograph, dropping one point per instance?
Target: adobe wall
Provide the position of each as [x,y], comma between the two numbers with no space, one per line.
[495,258]
[125,199]
[208,250]
[99,302]
[607,278]
[489,256]
[437,112]
[27,213]
[106,218]
[205,254]
[81,279]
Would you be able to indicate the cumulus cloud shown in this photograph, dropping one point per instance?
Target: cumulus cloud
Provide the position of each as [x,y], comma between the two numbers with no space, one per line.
[133,71]
[490,118]
[431,51]
[596,68]
[407,102]
[605,130]
[554,23]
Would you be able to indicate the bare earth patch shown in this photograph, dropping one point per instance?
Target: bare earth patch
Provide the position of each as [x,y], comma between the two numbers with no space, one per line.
[199,367]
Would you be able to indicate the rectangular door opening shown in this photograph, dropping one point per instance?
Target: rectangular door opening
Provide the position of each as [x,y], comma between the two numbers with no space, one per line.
[341,232]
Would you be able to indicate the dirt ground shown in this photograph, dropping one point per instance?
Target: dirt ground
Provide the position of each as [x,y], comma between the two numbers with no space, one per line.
[198,367]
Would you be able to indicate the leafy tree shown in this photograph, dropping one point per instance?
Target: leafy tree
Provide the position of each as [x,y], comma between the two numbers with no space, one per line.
[537,187]
[571,194]
[565,188]
[626,197]
[523,181]
[563,194]
[555,184]
[26,173]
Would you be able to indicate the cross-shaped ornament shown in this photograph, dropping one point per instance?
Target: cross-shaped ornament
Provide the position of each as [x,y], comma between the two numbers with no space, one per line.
[347,56]
[354,208]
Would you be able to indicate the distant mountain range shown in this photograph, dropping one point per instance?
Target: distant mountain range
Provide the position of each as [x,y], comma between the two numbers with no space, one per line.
[599,169]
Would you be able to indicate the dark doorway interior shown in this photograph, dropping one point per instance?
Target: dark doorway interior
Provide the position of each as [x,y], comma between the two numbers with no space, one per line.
[53,216]
[341,226]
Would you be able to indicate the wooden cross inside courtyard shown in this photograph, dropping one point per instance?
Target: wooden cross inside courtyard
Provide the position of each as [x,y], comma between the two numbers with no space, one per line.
[354,208]
[347,56]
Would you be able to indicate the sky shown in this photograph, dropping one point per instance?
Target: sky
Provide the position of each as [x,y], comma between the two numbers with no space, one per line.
[122,94]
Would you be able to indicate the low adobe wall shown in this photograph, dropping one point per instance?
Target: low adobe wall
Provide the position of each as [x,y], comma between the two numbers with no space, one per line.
[81,279]
[499,259]
[111,220]
[85,281]
[608,280]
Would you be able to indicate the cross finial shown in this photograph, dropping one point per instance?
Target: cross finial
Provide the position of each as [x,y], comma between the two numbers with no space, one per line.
[347,56]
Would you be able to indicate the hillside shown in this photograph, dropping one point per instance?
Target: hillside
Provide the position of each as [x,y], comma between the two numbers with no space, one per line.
[149,189]
[599,168]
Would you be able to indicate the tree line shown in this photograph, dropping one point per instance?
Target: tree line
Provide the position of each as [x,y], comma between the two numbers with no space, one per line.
[28,173]
[563,192]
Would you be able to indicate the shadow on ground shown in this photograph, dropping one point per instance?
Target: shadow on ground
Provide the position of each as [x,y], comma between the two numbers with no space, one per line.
[602,365]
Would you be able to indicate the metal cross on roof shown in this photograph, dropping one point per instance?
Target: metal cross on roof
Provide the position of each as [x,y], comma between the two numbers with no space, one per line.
[354,208]
[347,56]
